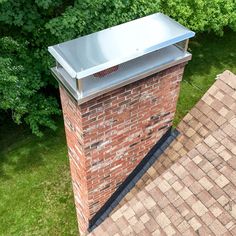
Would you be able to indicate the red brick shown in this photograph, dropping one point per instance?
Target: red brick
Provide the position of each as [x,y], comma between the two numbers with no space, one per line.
[108,136]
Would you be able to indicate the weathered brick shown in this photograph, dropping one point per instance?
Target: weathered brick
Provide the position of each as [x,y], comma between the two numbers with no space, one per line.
[108,136]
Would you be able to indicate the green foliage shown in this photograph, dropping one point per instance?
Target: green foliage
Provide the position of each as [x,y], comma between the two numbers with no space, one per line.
[20,84]
[202,15]
[89,16]
[28,27]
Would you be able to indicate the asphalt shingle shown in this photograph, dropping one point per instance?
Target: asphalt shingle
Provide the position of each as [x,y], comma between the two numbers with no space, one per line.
[191,188]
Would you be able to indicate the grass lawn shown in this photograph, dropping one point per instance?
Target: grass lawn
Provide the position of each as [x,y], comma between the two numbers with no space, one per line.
[211,56]
[35,189]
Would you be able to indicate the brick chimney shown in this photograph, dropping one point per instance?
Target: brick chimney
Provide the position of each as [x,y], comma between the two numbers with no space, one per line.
[117,104]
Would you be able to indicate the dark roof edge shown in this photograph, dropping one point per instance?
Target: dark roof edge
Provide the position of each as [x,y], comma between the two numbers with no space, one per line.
[133,178]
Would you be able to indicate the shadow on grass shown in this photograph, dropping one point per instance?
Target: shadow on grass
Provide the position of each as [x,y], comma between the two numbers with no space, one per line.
[211,51]
[36,195]
[20,150]
[211,55]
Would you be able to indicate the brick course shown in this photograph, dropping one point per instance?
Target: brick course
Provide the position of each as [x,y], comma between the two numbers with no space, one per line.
[108,136]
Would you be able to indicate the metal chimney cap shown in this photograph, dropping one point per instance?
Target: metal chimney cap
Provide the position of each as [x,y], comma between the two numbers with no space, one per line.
[90,54]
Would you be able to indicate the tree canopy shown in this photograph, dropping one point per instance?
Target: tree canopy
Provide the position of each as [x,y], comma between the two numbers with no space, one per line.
[28,27]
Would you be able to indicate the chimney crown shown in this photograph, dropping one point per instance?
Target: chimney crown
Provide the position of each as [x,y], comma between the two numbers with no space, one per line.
[140,47]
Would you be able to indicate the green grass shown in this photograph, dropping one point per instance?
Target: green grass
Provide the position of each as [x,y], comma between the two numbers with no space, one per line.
[35,189]
[211,56]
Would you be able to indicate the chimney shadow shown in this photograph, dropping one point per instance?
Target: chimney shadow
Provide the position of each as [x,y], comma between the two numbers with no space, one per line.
[22,151]
[211,54]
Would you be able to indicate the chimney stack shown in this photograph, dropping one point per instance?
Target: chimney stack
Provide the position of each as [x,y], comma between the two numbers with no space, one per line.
[119,88]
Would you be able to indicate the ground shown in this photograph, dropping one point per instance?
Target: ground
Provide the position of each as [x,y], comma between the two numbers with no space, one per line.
[211,56]
[35,190]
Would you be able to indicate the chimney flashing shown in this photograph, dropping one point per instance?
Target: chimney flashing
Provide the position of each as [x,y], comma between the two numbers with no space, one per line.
[133,178]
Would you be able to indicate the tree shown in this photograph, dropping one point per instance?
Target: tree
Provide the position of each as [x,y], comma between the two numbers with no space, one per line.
[21,84]
[24,61]
[28,27]
[202,15]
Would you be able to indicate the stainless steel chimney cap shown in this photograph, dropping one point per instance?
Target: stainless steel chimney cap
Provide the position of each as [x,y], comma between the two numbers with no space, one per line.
[90,54]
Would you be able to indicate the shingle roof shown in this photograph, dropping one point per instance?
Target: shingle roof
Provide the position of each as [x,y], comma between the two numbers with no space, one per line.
[191,188]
